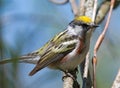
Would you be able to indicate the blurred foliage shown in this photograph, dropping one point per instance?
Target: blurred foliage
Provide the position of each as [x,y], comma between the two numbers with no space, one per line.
[27,24]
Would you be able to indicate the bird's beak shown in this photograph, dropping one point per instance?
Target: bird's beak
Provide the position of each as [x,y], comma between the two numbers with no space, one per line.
[94,25]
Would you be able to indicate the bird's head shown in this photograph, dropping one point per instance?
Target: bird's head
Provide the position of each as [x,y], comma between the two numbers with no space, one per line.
[83,25]
[84,21]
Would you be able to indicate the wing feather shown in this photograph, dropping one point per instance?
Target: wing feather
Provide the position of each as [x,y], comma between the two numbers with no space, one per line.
[57,51]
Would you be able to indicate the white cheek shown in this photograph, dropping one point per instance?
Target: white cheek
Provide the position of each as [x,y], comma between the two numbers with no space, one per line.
[77,30]
[71,31]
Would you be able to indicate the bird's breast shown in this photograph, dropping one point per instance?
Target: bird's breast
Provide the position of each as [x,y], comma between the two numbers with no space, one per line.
[73,59]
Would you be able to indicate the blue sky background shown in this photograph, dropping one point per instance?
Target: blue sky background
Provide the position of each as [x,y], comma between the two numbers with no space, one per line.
[29,24]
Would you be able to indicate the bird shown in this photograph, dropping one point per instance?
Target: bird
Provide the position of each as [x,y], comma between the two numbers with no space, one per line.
[65,51]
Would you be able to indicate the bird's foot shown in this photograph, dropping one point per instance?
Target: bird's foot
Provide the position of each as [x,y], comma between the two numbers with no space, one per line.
[68,74]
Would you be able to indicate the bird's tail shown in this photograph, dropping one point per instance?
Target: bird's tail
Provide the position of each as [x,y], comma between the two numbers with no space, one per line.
[25,59]
[6,61]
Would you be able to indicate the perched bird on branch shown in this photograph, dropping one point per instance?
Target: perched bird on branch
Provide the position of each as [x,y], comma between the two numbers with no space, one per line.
[65,51]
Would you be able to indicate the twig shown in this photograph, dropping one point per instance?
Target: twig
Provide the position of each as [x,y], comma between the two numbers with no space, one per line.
[102,11]
[86,66]
[89,8]
[74,7]
[116,83]
[94,62]
[101,37]
[59,1]
[85,73]
[98,43]
[94,10]
[81,10]
[68,82]
[87,82]
[93,19]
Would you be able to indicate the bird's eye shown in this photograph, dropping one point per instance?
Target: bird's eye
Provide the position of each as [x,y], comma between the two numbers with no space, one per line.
[85,26]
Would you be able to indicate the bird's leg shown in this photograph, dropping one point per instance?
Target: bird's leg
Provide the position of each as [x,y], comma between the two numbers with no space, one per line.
[68,74]
[71,74]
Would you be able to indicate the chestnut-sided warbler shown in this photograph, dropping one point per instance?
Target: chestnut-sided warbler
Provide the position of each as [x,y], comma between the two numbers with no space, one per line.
[66,50]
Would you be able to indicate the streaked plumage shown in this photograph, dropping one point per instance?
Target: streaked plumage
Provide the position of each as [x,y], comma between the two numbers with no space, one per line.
[66,50]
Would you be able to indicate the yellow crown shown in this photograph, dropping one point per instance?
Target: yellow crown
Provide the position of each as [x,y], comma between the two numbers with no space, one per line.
[84,19]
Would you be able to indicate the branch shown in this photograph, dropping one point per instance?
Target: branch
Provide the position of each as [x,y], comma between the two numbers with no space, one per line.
[102,11]
[70,79]
[101,37]
[74,7]
[87,82]
[72,2]
[81,10]
[116,83]
[68,82]
[94,10]
[98,43]
[59,1]
[86,66]
[89,8]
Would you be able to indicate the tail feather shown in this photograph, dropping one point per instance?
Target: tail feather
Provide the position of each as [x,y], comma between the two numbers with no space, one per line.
[33,71]
[25,59]
[6,61]
[36,69]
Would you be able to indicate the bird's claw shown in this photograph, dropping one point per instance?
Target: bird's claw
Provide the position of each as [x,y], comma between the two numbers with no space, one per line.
[68,75]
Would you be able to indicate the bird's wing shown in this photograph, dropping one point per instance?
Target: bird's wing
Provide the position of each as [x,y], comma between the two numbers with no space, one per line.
[35,56]
[57,48]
